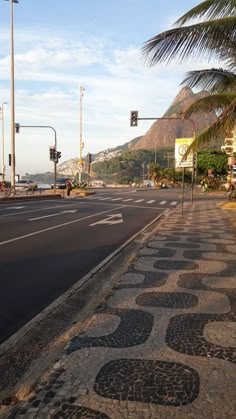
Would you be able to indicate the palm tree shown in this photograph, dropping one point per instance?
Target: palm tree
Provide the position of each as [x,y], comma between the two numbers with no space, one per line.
[213,35]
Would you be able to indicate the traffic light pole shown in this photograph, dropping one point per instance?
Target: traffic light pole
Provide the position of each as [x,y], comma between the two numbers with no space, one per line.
[170,118]
[55,144]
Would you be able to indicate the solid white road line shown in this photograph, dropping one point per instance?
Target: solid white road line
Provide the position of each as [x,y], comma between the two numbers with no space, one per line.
[53,215]
[37,210]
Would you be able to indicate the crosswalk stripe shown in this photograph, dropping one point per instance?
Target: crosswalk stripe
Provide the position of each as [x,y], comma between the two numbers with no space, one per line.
[173,203]
[104,199]
[139,200]
[116,199]
[126,200]
[150,202]
[163,202]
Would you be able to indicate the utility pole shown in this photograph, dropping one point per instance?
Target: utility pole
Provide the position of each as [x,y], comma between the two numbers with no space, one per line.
[3,142]
[143,166]
[169,157]
[12,108]
[81,144]
[155,152]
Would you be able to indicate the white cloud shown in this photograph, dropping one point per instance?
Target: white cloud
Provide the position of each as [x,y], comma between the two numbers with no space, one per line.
[48,72]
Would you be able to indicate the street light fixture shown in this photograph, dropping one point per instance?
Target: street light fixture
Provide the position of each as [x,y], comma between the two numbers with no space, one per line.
[12,111]
[3,142]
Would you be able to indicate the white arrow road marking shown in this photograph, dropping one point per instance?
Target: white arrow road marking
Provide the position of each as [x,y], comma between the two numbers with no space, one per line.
[173,203]
[163,202]
[53,215]
[150,202]
[110,219]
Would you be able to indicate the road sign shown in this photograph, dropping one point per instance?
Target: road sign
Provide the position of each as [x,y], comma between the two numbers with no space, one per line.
[181,146]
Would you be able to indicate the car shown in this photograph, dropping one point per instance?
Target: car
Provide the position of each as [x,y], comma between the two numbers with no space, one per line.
[26,185]
[60,183]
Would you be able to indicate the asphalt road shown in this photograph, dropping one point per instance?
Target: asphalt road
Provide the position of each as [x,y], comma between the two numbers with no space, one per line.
[47,246]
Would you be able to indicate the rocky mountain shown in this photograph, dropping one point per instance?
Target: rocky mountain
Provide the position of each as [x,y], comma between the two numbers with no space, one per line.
[163,132]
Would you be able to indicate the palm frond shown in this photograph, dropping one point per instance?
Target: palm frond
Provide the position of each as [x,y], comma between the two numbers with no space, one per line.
[202,40]
[216,102]
[225,123]
[214,80]
[209,9]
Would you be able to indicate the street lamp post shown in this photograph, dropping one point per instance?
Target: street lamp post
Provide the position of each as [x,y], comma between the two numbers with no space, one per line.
[12,109]
[3,141]
[81,144]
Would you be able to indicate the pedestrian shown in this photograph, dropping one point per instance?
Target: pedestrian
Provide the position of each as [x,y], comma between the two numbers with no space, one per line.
[68,187]
[231,191]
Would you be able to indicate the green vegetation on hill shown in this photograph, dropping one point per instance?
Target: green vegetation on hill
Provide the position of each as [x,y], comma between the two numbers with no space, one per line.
[129,165]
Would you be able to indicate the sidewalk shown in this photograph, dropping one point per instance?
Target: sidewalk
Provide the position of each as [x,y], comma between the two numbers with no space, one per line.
[163,344]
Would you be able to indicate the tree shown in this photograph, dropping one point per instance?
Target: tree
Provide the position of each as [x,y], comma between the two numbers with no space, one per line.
[214,35]
[215,160]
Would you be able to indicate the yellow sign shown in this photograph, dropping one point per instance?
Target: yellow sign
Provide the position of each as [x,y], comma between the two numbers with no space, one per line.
[181,146]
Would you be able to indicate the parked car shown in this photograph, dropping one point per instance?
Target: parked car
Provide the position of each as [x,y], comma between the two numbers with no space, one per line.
[60,183]
[26,185]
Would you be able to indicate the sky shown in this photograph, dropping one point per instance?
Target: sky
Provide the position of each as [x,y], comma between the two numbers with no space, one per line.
[62,45]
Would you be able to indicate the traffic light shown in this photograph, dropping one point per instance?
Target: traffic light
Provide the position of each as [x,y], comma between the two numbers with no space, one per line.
[89,158]
[52,153]
[195,159]
[17,127]
[58,156]
[134,118]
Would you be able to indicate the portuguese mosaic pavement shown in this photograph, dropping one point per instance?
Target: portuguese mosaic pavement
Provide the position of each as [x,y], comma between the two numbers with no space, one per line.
[163,344]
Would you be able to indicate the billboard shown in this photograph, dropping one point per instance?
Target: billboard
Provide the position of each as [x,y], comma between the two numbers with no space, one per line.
[181,146]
